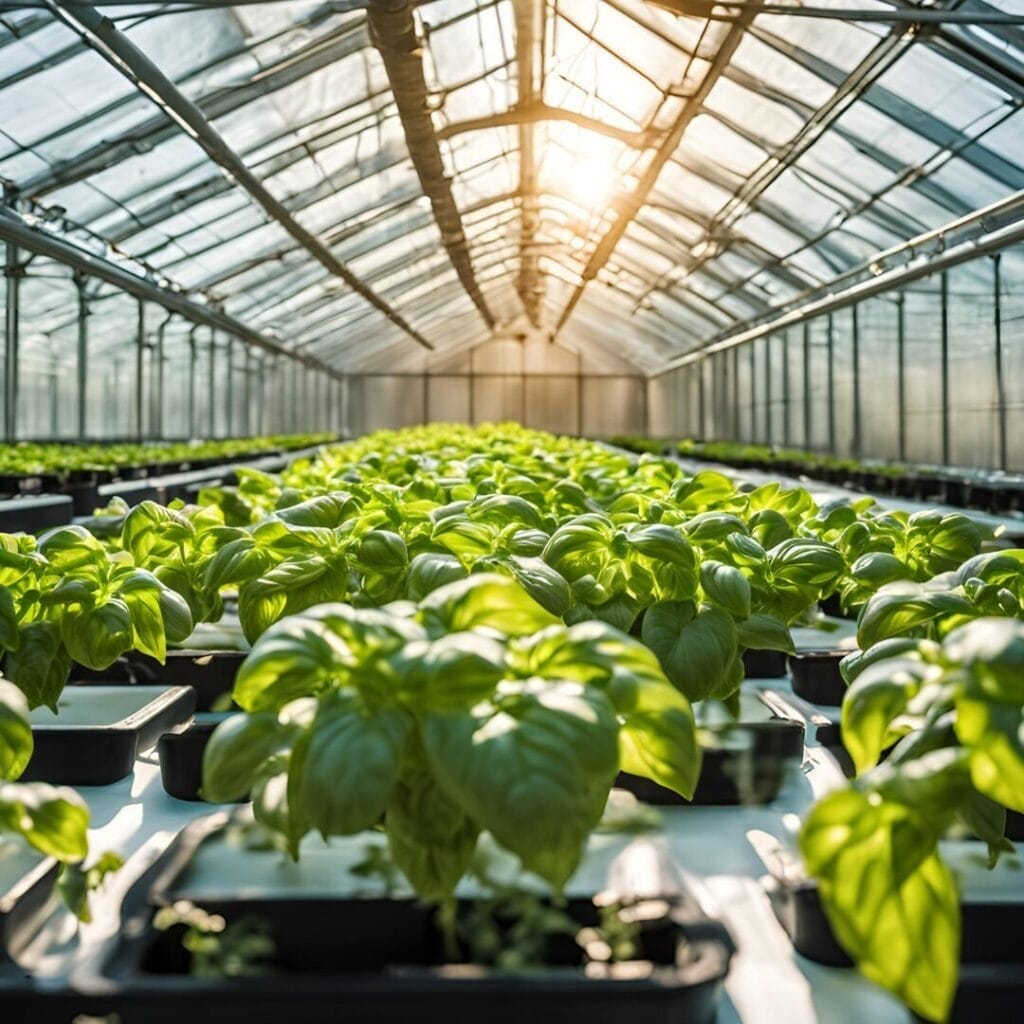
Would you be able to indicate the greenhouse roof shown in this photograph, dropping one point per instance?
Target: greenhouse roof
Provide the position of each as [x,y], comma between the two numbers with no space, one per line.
[616,172]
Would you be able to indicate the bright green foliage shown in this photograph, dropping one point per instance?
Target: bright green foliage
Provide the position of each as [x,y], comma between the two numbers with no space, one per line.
[953,714]
[52,819]
[473,709]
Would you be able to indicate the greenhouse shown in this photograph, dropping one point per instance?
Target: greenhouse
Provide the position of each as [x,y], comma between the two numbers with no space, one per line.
[512,509]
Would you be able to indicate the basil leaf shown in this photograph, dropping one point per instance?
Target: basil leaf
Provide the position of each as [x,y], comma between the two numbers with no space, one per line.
[16,741]
[40,665]
[533,767]
[351,763]
[891,901]
[726,587]
[696,652]
[53,819]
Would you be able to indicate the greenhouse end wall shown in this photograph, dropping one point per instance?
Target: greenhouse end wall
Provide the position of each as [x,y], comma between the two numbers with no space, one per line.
[536,383]
[931,373]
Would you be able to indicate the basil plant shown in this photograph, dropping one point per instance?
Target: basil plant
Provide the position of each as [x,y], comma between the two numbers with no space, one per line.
[52,819]
[951,715]
[475,709]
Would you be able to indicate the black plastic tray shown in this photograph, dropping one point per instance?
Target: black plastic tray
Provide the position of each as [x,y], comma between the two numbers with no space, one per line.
[211,674]
[33,513]
[815,676]
[393,967]
[100,754]
[992,949]
[764,664]
[181,758]
[23,905]
[774,746]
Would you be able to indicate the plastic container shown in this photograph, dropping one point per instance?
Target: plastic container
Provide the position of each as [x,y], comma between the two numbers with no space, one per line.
[764,664]
[181,756]
[33,513]
[815,676]
[27,879]
[99,730]
[339,957]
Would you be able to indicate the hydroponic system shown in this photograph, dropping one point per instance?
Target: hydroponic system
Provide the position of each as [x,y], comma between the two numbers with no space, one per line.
[512,509]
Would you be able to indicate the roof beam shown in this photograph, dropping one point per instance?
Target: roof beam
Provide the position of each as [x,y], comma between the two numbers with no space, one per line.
[122,54]
[14,229]
[529,112]
[393,32]
[630,203]
[730,10]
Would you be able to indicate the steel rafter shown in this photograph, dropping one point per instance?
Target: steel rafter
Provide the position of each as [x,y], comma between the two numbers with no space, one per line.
[122,54]
[630,203]
[393,31]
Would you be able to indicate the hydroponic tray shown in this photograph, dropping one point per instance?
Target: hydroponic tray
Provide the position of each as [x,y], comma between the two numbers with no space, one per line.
[99,730]
[27,879]
[383,958]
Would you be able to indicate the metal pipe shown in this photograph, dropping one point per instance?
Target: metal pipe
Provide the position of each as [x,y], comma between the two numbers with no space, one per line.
[103,36]
[831,353]
[808,433]
[393,32]
[14,229]
[229,388]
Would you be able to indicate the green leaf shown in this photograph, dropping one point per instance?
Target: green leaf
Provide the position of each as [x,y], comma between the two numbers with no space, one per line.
[295,658]
[696,652]
[40,665]
[993,731]
[237,751]
[992,649]
[890,614]
[534,768]
[97,637]
[726,587]
[458,670]
[873,702]
[351,764]
[892,903]
[658,739]
[384,552]
[762,632]
[8,621]
[431,839]
[52,819]
[428,572]
[483,601]
[15,732]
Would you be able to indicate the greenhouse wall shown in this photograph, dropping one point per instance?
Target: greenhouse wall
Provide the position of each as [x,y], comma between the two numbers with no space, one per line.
[931,373]
[536,383]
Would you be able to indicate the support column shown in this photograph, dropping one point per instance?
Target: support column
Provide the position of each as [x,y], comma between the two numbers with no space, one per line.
[157,405]
[13,272]
[786,435]
[229,389]
[944,352]
[1000,381]
[901,373]
[808,424]
[192,363]
[211,385]
[831,386]
[857,440]
[140,366]
[83,356]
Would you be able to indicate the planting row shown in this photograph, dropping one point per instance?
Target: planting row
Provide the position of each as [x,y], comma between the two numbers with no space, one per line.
[33,467]
[996,492]
[459,633]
